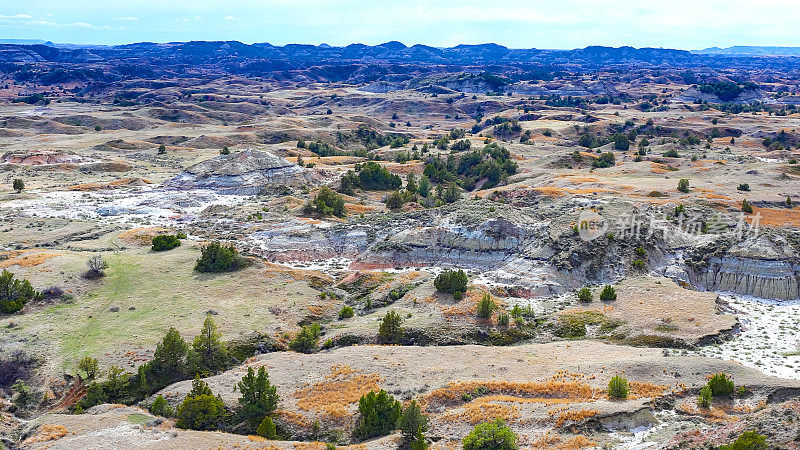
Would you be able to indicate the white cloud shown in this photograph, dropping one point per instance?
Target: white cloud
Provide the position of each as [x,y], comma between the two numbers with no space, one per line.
[127,19]
[232,18]
[15,17]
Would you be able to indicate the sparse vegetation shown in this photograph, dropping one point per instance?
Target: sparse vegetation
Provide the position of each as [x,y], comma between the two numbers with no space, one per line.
[618,387]
[216,257]
[584,295]
[608,294]
[378,415]
[164,242]
[14,293]
[326,203]
[720,385]
[452,282]
[491,436]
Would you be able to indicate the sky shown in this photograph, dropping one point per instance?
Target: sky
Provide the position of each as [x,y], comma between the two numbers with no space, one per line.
[564,24]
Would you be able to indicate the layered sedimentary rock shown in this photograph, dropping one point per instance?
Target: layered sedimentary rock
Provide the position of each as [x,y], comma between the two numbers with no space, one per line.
[761,267]
[242,173]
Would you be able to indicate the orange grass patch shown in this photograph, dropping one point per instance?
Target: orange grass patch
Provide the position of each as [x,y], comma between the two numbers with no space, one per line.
[25,258]
[775,217]
[572,390]
[550,441]
[337,391]
[562,415]
[551,191]
[484,409]
[45,433]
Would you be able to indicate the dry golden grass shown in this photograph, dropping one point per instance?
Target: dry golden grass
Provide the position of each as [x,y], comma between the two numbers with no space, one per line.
[562,415]
[142,236]
[550,191]
[337,391]
[570,390]
[551,441]
[45,433]
[293,418]
[639,389]
[776,217]
[484,409]
[24,258]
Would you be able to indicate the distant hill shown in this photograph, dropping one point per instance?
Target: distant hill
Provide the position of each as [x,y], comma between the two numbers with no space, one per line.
[750,50]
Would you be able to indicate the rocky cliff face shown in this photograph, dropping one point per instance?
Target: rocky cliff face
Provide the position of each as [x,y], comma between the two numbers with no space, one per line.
[764,266]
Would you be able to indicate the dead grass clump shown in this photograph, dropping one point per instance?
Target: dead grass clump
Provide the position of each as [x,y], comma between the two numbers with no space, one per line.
[334,394]
[550,191]
[142,236]
[639,389]
[484,409]
[562,415]
[45,433]
[572,390]
[550,441]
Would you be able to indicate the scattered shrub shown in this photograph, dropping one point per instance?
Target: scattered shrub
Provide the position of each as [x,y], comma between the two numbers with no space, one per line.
[14,293]
[746,208]
[683,185]
[604,160]
[744,187]
[452,282]
[97,266]
[491,436]
[267,428]
[720,385]
[584,295]
[307,339]
[704,400]
[326,203]
[618,387]
[165,242]
[18,185]
[346,312]
[160,407]
[201,410]
[672,153]
[749,440]
[89,366]
[503,319]
[216,258]
[379,414]
[486,306]
[24,396]
[608,294]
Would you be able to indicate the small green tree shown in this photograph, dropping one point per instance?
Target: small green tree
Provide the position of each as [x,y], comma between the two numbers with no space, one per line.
[491,436]
[746,208]
[704,400]
[379,413]
[224,151]
[307,339]
[424,187]
[18,185]
[117,384]
[259,397]
[411,183]
[683,185]
[413,422]
[584,295]
[14,293]
[608,294]
[390,330]
[160,407]
[169,360]
[201,412]
[162,149]
[486,307]
[267,429]
[618,387]
[213,354]
[89,366]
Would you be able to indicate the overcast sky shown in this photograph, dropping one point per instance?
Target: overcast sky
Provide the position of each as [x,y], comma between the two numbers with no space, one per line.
[686,24]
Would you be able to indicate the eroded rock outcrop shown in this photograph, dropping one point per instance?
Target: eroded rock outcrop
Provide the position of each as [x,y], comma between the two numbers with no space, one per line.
[242,173]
